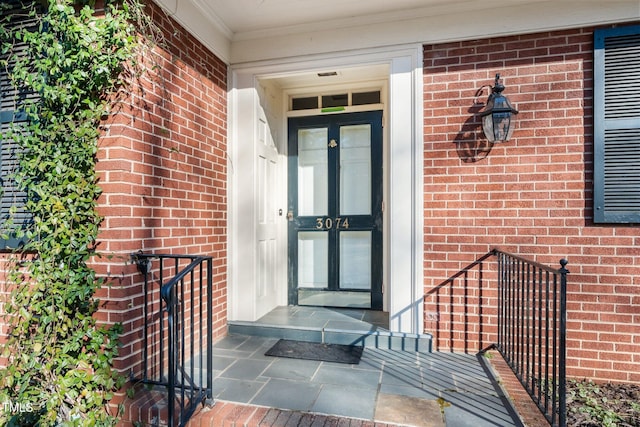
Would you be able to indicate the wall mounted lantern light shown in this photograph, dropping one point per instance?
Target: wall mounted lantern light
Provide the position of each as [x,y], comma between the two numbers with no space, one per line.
[497,116]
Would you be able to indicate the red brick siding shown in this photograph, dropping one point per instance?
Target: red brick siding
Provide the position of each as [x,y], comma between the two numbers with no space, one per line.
[530,196]
[163,173]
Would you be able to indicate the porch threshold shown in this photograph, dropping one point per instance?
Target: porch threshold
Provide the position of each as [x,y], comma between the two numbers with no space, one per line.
[332,326]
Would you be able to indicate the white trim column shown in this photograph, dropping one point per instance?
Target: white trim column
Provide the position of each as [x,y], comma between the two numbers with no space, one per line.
[406,308]
[242,202]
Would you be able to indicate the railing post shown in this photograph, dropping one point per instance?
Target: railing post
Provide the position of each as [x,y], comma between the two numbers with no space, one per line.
[209,332]
[168,296]
[562,375]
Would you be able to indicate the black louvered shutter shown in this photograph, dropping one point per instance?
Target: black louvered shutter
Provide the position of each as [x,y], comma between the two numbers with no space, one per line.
[13,15]
[617,125]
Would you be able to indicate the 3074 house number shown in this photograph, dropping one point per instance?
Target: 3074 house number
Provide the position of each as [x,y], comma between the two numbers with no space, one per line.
[329,223]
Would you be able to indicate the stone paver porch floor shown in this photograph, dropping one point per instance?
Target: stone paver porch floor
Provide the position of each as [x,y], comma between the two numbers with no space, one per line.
[387,386]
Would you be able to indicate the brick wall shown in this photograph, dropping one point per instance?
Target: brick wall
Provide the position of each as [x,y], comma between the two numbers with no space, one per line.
[162,164]
[531,196]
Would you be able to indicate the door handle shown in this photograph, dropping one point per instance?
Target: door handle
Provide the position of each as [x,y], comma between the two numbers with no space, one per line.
[290,216]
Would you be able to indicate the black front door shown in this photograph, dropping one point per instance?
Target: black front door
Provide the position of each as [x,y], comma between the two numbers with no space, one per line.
[335,210]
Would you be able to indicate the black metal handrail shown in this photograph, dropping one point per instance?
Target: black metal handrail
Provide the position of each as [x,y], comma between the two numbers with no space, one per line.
[177,340]
[532,300]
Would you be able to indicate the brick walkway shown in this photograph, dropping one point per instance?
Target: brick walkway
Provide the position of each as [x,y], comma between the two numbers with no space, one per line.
[149,408]
[227,414]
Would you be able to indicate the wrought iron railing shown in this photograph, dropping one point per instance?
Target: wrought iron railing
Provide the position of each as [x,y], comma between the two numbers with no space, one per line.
[532,329]
[177,341]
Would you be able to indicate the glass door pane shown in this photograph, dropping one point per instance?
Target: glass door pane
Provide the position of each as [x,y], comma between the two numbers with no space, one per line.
[313,252]
[355,170]
[313,172]
[355,260]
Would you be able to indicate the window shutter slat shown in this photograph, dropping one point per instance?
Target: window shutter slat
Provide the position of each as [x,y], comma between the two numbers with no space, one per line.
[622,171]
[621,76]
[617,125]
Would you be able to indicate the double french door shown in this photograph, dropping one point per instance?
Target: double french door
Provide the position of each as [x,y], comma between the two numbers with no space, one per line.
[335,210]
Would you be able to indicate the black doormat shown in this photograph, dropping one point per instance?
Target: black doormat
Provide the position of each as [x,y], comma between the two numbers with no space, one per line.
[338,353]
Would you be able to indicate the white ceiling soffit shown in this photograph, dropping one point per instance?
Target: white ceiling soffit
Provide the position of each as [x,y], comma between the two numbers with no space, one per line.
[368,77]
[241,31]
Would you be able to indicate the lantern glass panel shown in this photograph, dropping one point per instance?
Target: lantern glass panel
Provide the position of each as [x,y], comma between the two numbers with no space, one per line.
[501,126]
[497,126]
[487,127]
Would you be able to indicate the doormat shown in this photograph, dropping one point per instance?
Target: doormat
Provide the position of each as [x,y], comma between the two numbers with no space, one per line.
[337,353]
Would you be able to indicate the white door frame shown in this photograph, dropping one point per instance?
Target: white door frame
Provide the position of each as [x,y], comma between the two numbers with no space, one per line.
[403,207]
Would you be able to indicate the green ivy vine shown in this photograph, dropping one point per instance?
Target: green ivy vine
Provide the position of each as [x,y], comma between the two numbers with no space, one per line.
[60,361]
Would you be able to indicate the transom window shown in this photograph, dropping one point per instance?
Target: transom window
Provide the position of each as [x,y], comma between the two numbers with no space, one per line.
[336,100]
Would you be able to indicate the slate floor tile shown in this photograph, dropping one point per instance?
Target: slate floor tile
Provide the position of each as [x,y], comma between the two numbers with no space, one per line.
[287,394]
[346,401]
[245,369]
